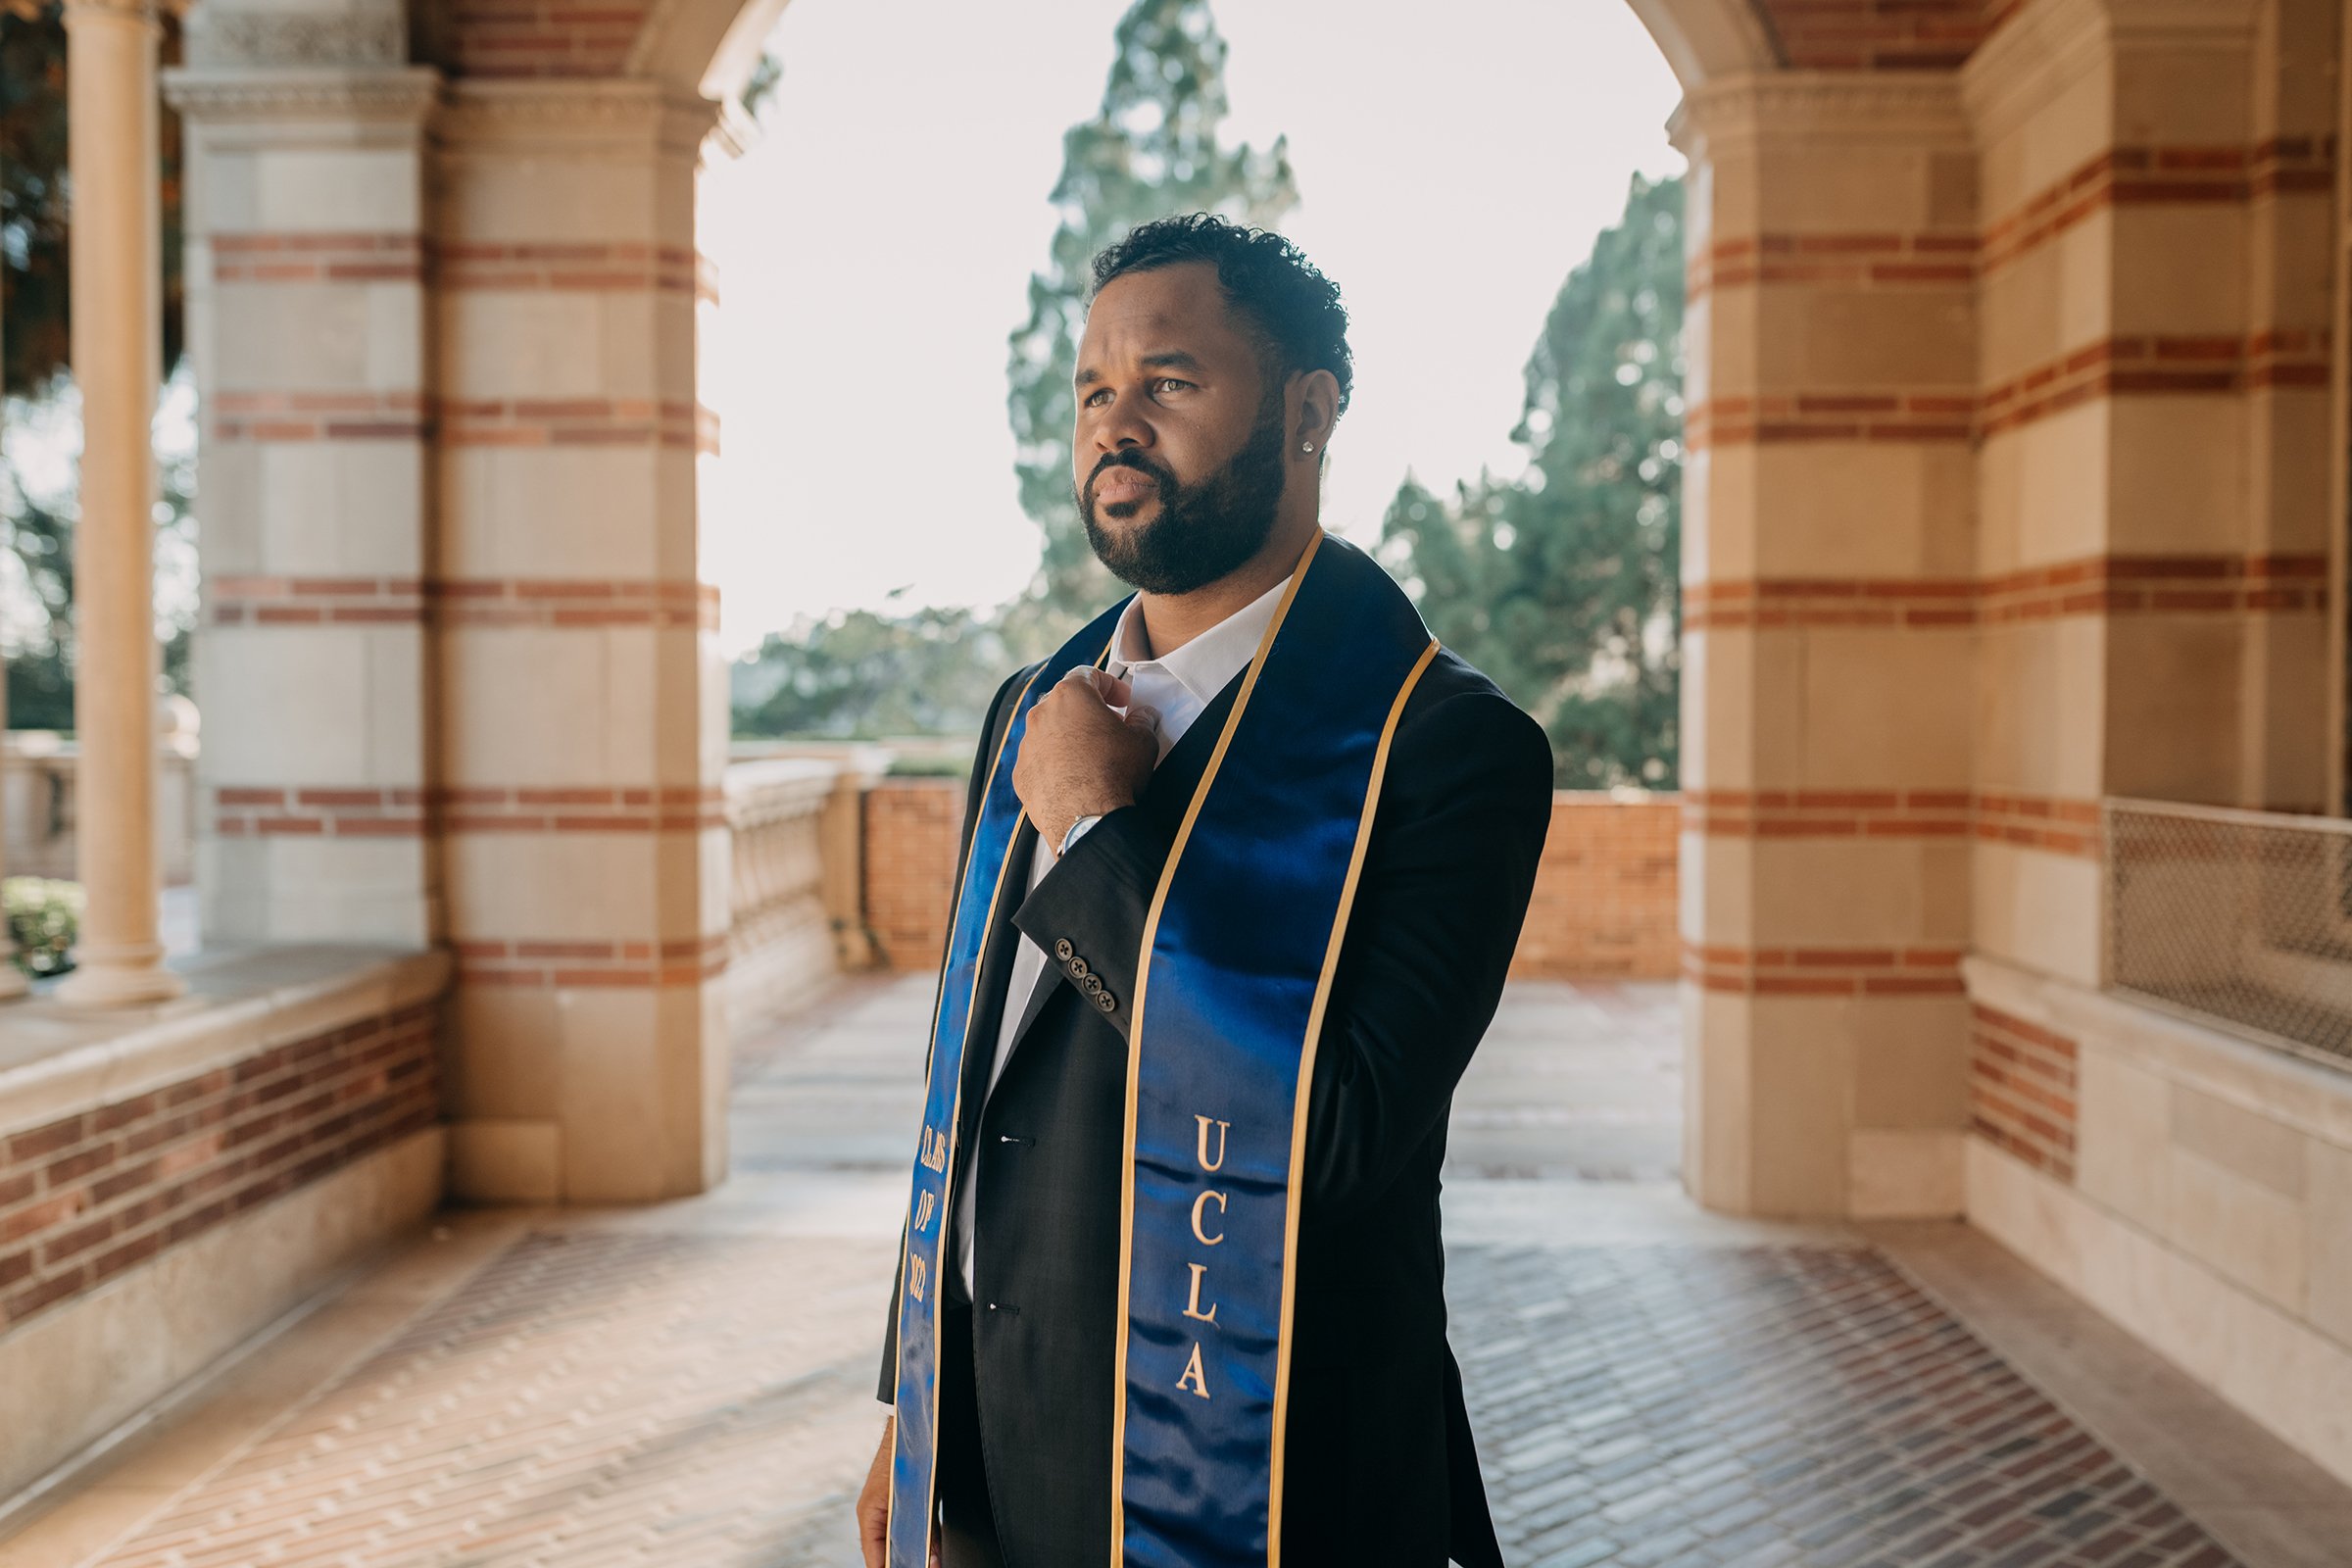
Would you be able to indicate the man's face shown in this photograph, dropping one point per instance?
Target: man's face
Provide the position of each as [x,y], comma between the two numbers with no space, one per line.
[1178,455]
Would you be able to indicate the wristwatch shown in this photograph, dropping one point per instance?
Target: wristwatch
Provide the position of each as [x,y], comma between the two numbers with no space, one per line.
[1076,828]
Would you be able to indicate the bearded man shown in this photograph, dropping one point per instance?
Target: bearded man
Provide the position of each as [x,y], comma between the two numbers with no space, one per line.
[1243,868]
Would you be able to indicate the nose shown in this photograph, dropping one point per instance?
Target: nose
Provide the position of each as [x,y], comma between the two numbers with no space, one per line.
[1121,426]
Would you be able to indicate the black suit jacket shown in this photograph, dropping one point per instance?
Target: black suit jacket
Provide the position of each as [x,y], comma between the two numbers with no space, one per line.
[1379,1465]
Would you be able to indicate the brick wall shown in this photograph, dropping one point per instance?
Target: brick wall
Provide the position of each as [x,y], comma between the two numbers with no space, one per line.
[88,1197]
[1604,905]
[2020,1089]
[539,37]
[1605,899]
[913,826]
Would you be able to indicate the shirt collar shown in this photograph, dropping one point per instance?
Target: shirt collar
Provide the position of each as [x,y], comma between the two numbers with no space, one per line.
[1207,660]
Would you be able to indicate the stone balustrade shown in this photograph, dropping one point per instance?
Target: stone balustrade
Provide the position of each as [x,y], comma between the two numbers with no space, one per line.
[40,808]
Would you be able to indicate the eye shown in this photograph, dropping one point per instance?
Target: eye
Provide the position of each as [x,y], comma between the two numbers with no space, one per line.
[1166,381]
[1097,395]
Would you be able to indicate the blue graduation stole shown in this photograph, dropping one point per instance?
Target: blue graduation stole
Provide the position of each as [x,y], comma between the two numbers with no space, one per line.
[1239,950]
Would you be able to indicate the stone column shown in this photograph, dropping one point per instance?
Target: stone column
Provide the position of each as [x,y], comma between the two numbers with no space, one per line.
[1828,642]
[117,352]
[13,983]
[582,700]
[308,271]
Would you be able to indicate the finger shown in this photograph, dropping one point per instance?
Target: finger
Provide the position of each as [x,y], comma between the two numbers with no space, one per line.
[1144,717]
[1113,688]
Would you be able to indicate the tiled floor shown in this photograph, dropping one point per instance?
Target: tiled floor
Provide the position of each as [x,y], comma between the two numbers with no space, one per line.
[691,1385]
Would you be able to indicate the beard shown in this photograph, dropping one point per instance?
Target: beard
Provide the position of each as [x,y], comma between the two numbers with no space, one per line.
[1203,531]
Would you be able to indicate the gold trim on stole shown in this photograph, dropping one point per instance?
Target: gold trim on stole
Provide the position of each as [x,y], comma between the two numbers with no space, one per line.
[946,1180]
[1306,1071]
[1135,1029]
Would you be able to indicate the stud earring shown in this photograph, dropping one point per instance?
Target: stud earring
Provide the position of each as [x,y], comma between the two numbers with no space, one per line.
[1306,446]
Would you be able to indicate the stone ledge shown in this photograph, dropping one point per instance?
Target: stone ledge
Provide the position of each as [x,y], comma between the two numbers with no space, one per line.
[2313,1099]
[75,1374]
[56,1060]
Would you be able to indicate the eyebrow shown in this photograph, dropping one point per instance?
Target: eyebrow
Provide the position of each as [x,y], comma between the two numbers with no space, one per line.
[1166,359]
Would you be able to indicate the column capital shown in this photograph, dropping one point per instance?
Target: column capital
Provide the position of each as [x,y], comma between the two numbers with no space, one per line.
[1831,106]
[243,95]
[143,14]
[562,115]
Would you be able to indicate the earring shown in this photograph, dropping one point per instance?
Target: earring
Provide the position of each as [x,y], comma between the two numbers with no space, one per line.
[1306,446]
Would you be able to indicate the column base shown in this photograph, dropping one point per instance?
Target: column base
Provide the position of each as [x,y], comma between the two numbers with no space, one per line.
[127,981]
[13,983]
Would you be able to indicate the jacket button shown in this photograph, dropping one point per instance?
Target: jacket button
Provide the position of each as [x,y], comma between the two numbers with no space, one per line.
[1090,984]
[1105,1000]
[1062,950]
[1078,968]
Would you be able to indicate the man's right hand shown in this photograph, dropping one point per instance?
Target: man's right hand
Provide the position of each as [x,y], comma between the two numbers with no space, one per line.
[873,1503]
[873,1500]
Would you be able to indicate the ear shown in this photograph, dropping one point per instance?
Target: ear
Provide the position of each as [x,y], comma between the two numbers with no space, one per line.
[1314,407]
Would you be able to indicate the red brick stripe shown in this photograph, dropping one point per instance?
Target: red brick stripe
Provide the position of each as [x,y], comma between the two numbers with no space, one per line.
[579,602]
[2054,823]
[666,809]
[547,962]
[293,257]
[1875,35]
[2160,176]
[249,812]
[2022,1089]
[88,1196]
[2121,366]
[578,423]
[1928,258]
[1833,414]
[321,416]
[2051,822]
[2117,367]
[1823,971]
[2089,585]
[242,811]
[542,37]
[559,267]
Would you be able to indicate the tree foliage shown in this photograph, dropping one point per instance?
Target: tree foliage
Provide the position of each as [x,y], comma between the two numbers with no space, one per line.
[33,198]
[36,340]
[859,674]
[1152,149]
[1563,583]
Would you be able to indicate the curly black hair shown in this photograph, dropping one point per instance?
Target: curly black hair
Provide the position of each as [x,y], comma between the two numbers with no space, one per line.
[1302,326]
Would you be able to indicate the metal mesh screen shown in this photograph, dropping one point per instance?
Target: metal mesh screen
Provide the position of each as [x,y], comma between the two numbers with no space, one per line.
[2243,918]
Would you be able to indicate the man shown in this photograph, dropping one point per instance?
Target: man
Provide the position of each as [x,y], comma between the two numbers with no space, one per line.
[1171,1291]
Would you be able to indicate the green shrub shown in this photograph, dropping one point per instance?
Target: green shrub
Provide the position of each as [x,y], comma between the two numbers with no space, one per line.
[943,767]
[43,915]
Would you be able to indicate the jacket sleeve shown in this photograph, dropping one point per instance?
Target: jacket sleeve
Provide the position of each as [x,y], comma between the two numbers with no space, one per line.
[886,1388]
[1465,809]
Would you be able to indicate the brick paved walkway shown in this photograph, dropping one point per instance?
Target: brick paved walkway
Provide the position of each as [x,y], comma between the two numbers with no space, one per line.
[691,1385]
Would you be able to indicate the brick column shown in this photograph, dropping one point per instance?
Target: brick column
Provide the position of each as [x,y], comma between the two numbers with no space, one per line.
[1827,678]
[582,698]
[306,275]
[2158,203]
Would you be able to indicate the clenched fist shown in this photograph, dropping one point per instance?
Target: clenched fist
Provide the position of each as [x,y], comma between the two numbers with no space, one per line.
[1080,757]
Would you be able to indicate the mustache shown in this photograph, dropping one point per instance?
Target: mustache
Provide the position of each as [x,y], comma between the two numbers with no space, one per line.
[1131,459]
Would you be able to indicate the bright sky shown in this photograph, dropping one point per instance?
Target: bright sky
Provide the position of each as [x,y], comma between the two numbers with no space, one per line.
[874,251]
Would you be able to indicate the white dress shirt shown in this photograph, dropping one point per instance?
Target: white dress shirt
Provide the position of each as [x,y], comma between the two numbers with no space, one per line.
[1178,685]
